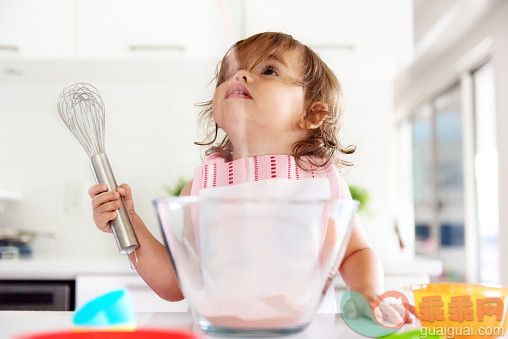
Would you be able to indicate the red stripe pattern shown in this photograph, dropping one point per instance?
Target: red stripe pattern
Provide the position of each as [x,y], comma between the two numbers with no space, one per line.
[256,170]
[273,167]
[289,167]
[230,173]
[214,175]
[206,176]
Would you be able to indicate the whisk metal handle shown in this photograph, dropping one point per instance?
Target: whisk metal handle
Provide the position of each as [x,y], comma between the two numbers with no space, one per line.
[122,228]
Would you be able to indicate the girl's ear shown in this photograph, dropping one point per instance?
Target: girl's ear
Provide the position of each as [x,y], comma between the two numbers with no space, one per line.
[315,117]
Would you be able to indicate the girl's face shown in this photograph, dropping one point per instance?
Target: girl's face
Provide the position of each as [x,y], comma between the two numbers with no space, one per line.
[264,103]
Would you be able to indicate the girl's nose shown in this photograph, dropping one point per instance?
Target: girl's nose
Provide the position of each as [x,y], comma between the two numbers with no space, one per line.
[242,74]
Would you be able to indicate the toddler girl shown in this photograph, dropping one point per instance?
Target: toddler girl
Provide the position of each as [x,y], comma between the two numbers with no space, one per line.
[279,106]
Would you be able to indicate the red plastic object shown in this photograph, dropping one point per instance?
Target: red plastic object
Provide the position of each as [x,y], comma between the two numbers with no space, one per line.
[138,334]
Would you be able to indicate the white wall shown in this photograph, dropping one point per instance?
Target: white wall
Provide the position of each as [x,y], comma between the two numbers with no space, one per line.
[368,124]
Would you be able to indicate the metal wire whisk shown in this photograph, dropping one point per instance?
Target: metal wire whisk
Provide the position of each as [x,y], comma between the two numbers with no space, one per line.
[81,108]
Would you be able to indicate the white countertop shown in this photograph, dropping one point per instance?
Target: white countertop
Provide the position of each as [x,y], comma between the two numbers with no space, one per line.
[15,323]
[61,267]
[69,267]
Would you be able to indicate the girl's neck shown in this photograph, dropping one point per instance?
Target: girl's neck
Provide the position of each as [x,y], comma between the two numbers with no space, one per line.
[247,152]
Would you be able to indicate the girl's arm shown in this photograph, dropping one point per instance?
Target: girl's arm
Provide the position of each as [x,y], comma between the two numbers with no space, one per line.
[361,268]
[153,265]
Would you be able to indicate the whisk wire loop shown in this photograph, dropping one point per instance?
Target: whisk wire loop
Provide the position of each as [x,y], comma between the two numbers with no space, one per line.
[81,108]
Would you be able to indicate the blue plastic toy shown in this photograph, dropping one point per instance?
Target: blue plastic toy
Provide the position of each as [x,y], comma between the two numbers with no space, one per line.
[112,311]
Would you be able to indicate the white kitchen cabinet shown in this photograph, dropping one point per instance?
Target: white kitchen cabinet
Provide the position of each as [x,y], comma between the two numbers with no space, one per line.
[117,28]
[144,299]
[36,29]
[164,28]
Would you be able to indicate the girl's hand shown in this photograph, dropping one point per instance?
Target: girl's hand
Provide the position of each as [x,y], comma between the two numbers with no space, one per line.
[392,310]
[389,311]
[105,204]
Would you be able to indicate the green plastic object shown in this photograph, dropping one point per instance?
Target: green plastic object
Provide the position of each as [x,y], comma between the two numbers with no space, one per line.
[413,334]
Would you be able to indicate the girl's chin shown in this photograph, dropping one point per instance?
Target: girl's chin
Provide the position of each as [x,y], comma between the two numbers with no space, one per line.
[232,117]
[236,108]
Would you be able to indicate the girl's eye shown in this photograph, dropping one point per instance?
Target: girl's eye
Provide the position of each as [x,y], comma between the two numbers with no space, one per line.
[269,70]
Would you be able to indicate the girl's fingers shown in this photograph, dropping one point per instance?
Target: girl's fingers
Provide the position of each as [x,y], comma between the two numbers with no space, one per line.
[105,204]
[391,314]
[402,311]
[104,219]
[412,309]
[97,189]
[400,308]
[125,192]
[109,206]
[378,315]
[102,198]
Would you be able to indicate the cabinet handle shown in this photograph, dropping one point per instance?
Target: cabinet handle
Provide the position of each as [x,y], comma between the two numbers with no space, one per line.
[171,48]
[11,48]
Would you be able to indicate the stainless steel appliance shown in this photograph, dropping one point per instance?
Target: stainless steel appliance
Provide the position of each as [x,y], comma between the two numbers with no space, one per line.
[26,295]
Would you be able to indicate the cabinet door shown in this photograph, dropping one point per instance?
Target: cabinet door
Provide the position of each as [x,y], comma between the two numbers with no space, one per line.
[144,299]
[153,28]
[32,28]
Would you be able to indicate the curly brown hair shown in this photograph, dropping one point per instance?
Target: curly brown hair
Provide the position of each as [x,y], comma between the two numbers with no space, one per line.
[320,85]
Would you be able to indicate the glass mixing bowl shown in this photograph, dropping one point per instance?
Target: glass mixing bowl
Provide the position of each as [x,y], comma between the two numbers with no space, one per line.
[255,266]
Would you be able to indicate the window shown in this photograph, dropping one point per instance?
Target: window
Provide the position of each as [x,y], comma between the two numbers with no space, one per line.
[438,183]
[449,207]
[486,172]
[422,182]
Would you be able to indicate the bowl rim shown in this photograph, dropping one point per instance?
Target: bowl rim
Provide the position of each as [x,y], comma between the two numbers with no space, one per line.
[198,198]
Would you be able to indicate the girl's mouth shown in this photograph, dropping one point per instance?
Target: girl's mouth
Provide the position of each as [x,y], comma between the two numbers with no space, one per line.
[237,90]
[238,95]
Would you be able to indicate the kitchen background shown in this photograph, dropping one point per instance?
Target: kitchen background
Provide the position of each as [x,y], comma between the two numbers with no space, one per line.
[423,87]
